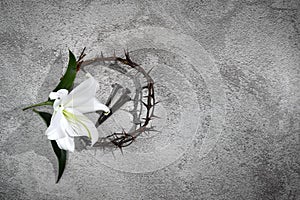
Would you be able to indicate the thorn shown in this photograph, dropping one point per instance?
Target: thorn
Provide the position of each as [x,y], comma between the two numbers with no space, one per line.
[120,147]
[154,116]
[154,130]
[147,133]
[137,74]
[157,102]
[146,118]
[102,57]
[145,104]
[126,53]
[150,70]
[144,87]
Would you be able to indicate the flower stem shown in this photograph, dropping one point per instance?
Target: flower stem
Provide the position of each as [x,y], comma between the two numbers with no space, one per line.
[46,103]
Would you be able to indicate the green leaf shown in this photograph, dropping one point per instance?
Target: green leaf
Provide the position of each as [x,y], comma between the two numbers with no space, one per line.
[39,104]
[68,79]
[62,158]
[60,153]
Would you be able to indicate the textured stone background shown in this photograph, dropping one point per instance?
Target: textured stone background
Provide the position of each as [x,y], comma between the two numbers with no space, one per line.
[227,74]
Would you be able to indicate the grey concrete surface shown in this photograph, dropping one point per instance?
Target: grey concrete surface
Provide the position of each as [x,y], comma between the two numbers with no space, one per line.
[227,75]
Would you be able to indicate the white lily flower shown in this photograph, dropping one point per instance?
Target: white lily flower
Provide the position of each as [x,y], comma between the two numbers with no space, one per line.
[68,120]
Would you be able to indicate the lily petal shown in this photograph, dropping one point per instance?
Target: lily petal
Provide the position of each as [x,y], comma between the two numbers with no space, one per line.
[56,129]
[56,104]
[66,143]
[92,105]
[81,126]
[82,93]
[59,94]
